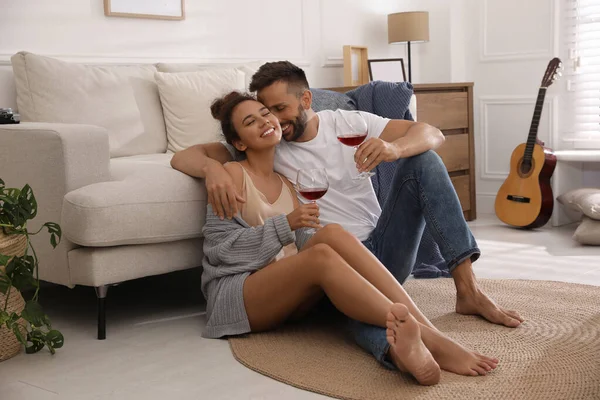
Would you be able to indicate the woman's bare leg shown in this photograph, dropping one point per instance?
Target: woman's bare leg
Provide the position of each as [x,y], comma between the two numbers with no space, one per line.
[367,265]
[273,293]
[450,355]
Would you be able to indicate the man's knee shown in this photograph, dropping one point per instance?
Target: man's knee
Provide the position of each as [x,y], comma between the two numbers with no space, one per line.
[429,159]
[428,163]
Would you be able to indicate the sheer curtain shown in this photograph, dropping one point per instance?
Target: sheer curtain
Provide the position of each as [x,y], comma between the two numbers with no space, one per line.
[582,40]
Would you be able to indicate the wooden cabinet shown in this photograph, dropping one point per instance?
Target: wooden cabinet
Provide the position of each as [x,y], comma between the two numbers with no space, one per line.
[449,107]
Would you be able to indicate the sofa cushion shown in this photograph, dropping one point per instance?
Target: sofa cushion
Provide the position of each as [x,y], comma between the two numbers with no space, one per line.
[146,202]
[588,232]
[186,98]
[122,99]
[247,68]
[584,200]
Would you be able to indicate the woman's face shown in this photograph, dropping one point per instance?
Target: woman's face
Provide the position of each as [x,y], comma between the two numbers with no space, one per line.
[257,128]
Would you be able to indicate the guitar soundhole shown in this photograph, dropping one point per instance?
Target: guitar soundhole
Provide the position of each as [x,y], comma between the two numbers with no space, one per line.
[526,168]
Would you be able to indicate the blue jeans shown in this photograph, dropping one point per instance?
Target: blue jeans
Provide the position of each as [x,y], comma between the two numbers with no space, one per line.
[421,193]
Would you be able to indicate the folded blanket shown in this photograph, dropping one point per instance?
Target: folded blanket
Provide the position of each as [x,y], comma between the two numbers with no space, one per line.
[386,99]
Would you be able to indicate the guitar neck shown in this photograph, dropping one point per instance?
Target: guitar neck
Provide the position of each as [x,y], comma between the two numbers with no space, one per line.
[535,123]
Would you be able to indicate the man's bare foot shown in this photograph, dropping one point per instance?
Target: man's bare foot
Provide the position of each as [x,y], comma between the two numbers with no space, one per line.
[407,351]
[472,301]
[453,357]
[475,302]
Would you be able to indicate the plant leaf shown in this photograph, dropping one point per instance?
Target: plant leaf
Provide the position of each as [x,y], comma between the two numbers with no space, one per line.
[35,346]
[27,206]
[55,339]
[34,314]
[10,266]
[10,213]
[10,195]
[20,271]
[5,216]
[55,231]
[16,328]
[5,283]
[7,199]
[1,184]
[14,317]
[3,317]
[37,340]
[4,260]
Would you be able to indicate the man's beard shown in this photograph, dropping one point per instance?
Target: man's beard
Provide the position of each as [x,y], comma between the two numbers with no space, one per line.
[299,125]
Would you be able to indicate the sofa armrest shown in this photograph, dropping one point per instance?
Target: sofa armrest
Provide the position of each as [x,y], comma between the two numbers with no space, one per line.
[53,159]
[77,155]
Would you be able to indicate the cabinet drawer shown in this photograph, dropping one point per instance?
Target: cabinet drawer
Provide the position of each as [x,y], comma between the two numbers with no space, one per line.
[455,152]
[461,185]
[448,110]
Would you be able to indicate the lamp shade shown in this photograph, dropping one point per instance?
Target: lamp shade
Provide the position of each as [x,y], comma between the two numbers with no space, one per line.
[408,27]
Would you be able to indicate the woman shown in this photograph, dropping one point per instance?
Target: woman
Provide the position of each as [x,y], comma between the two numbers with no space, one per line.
[262,267]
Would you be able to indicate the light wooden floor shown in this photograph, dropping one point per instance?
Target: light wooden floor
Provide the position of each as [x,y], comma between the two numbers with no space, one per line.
[154,349]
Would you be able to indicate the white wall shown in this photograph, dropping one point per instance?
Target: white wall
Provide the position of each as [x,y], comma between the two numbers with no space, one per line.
[506,57]
[310,33]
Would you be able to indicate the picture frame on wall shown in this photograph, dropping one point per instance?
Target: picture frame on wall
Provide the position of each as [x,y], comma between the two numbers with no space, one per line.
[387,69]
[152,9]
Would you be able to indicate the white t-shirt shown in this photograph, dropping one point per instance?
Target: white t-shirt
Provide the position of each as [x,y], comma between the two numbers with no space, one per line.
[350,203]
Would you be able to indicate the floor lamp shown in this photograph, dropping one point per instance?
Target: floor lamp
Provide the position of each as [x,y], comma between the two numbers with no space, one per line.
[408,27]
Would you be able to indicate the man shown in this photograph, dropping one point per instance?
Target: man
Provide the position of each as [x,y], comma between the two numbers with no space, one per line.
[421,191]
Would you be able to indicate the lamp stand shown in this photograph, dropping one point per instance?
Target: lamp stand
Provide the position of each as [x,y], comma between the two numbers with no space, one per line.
[409,67]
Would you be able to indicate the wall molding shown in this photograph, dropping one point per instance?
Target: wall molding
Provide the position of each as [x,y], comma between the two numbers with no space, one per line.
[305,59]
[327,61]
[550,103]
[134,59]
[118,59]
[535,54]
[486,202]
[333,62]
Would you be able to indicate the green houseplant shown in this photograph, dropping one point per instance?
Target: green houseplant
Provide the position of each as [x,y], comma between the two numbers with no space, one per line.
[31,326]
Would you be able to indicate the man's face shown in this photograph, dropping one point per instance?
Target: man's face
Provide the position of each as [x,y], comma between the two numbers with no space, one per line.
[286,105]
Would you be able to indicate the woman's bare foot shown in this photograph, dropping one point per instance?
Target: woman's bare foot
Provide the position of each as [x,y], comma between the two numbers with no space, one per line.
[407,351]
[453,357]
[475,302]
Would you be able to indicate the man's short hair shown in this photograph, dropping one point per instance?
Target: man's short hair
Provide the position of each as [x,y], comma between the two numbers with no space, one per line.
[284,71]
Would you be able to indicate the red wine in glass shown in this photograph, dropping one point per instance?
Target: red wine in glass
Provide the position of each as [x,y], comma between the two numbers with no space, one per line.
[313,193]
[351,130]
[312,184]
[352,140]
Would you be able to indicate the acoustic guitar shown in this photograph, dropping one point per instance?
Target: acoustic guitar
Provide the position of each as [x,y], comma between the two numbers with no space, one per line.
[525,199]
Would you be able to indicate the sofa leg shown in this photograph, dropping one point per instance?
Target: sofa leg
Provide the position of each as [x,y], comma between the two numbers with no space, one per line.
[101,294]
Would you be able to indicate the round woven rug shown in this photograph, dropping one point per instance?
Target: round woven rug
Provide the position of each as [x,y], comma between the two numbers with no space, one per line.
[554,354]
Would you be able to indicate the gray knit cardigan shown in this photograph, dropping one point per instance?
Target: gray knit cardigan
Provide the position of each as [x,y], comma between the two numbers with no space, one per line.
[232,251]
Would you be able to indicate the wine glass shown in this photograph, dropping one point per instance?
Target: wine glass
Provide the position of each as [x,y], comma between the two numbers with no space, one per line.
[312,184]
[351,130]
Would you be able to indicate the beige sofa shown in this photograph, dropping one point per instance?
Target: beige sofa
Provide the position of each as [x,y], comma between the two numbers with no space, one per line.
[95,145]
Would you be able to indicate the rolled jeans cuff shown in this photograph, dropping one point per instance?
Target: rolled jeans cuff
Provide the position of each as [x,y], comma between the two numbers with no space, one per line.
[473,254]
